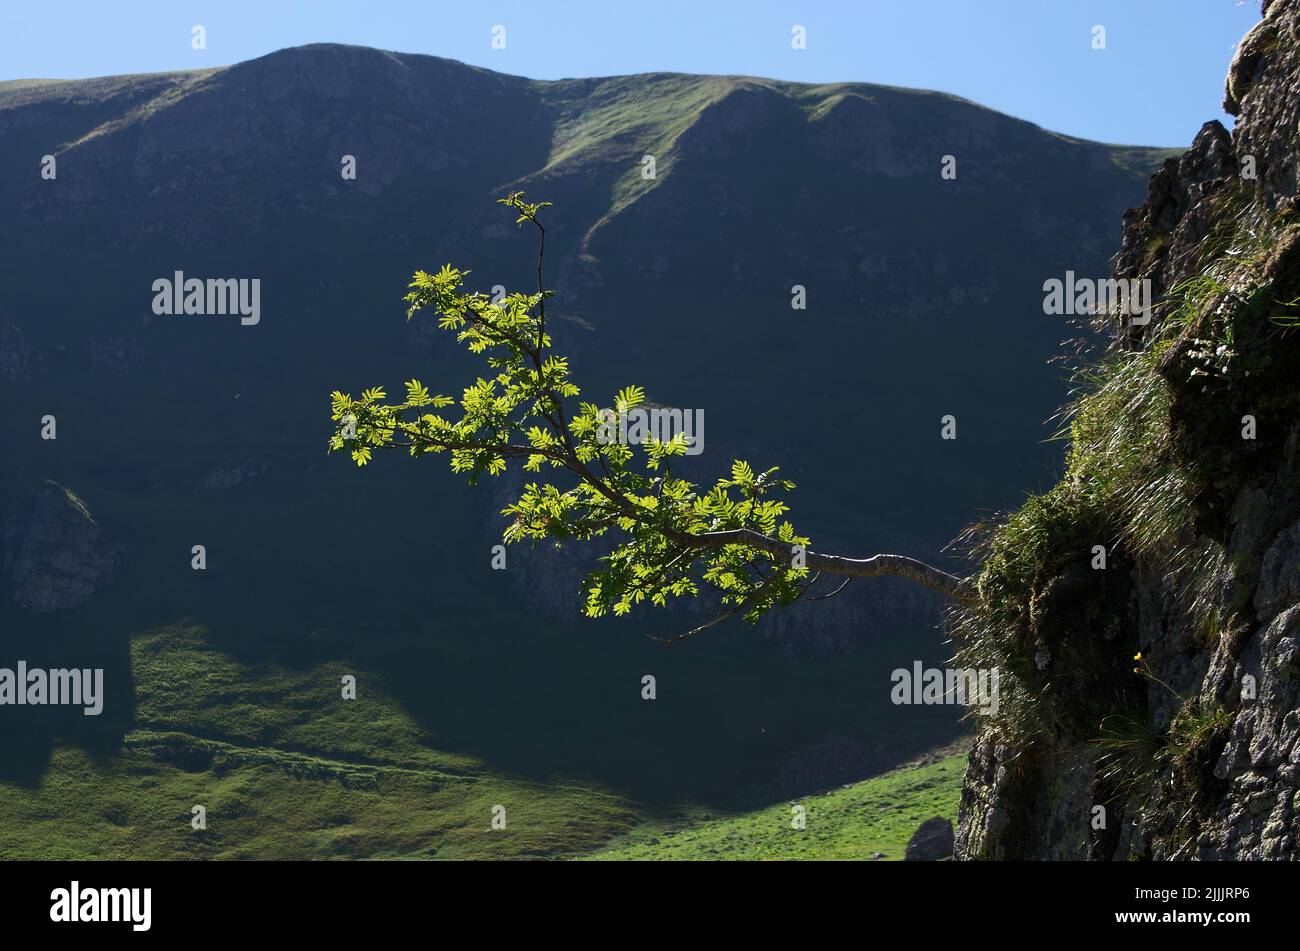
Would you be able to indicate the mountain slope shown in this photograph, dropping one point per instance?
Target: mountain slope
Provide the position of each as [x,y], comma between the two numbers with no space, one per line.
[874,818]
[924,299]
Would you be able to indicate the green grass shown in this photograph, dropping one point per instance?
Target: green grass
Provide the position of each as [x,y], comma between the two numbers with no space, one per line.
[274,805]
[286,769]
[1123,487]
[854,822]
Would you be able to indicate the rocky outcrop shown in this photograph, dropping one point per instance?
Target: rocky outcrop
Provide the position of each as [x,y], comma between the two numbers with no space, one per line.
[57,556]
[931,842]
[1162,238]
[1244,70]
[1195,754]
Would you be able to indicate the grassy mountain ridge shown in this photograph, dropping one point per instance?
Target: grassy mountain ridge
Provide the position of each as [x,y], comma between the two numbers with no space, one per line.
[186,430]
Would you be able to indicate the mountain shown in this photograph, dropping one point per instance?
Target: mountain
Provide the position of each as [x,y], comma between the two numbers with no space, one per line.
[1154,711]
[924,298]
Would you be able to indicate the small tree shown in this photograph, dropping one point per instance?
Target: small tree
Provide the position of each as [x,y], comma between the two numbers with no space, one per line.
[674,539]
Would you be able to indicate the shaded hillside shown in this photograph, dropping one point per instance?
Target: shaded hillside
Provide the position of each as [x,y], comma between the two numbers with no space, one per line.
[760,185]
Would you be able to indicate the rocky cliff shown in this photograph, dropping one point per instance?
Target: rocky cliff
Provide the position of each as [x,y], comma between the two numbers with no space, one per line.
[1147,609]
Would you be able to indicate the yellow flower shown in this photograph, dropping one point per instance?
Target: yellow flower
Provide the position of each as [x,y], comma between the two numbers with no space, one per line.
[1137,656]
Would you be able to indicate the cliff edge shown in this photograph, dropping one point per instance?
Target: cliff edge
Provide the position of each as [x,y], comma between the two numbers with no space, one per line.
[1145,611]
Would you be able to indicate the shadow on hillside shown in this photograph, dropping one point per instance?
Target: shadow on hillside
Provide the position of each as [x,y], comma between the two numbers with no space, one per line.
[63,641]
[554,701]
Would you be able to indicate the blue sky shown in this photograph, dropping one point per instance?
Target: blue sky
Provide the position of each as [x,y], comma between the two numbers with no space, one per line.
[1159,78]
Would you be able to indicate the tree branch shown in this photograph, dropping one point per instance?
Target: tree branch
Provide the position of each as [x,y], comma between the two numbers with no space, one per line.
[826,597]
[547,404]
[901,566]
[950,586]
[725,615]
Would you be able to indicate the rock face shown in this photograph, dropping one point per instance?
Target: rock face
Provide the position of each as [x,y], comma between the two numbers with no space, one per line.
[931,842]
[1211,769]
[57,555]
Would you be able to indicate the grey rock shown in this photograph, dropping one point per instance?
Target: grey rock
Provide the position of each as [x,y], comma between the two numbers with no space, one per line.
[1225,614]
[57,555]
[931,842]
